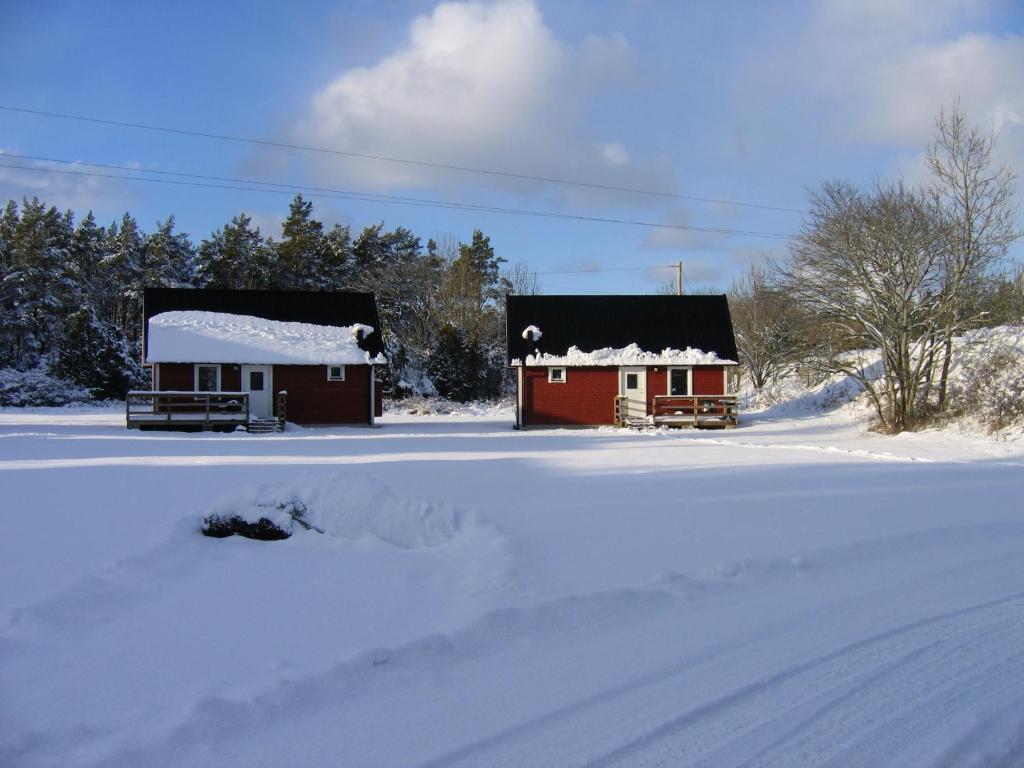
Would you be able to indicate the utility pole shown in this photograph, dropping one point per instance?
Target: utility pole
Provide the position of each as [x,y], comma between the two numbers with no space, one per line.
[679,278]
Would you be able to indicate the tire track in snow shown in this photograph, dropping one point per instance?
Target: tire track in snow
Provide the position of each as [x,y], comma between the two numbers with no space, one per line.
[984,638]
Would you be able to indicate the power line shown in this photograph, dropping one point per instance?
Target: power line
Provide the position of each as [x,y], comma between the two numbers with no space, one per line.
[606,269]
[270,188]
[389,159]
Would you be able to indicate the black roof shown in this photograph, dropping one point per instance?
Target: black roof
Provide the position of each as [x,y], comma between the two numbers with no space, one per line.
[596,322]
[335,308]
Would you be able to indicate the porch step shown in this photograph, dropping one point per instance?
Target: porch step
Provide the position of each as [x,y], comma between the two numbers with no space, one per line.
[264,426]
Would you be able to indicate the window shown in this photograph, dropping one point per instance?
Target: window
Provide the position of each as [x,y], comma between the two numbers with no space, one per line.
[335,372]
[732,379]
[255,381]
[632,381]
[556,375]
[679,381]
[207,378]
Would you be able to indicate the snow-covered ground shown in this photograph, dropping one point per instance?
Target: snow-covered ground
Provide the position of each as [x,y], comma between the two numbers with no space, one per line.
[793,592]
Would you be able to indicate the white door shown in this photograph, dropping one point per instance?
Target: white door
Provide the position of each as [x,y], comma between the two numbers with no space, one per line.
[633,386]
[257,381]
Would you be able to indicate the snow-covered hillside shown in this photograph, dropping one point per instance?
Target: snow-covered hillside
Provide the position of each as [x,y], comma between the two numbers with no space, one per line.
[793,592]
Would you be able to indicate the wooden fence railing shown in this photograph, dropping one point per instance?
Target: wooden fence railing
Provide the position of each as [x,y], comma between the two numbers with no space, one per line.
[186,408]
[696,410]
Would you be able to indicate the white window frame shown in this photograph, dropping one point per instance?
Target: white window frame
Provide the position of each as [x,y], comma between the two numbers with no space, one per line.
[552,379]
[195,375]
[725,378]
[335,378]
[689,380]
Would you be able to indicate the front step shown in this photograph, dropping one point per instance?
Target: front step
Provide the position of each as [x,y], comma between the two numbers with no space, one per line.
[264,426]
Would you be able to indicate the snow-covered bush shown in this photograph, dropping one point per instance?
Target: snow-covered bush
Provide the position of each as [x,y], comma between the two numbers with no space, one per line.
[988,383]
[37,387]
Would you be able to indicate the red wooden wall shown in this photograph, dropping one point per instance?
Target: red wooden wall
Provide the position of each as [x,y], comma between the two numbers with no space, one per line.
[588,395]
[709,380]
[312,399]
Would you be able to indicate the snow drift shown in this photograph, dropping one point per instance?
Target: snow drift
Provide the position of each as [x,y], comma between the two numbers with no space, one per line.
[348,506]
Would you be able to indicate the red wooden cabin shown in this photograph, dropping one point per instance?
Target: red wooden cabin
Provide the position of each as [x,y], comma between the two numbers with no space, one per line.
[227,358]
[626,360]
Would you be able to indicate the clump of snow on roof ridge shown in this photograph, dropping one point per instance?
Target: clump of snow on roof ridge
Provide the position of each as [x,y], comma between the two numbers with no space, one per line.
[532,333]
[629,355]
[194,336]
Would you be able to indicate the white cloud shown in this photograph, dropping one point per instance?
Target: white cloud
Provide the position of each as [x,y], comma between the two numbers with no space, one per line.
[481,85]
[64,187]
[875,73]
[675,238]
[905,90]
[614,154]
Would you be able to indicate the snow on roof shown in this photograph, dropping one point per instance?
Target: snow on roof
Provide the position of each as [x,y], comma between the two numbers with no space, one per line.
[532,333]
[217,337]
[629,355]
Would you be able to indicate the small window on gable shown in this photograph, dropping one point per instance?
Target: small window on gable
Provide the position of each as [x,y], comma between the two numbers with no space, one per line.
[335,372]
[207,378]
[679,381]
[556,375]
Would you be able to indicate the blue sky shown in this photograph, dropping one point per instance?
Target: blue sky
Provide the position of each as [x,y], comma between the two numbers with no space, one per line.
[742,101]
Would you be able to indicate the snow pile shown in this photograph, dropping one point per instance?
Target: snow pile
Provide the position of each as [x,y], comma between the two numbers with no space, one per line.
[219,337]
[532,333]
[630,355]
[442,406]
[347,506]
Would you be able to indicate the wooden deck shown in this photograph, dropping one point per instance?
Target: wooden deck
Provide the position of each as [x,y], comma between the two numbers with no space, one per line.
[196,410]
[699,411]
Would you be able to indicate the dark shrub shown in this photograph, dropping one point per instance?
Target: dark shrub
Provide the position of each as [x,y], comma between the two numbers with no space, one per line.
[221,527]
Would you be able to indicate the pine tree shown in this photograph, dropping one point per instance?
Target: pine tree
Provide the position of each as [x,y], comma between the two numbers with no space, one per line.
[449,365]
[123,271]
[38,254]
[87,250]
[169,258]
[301,252]
[96,356]
[236,256]
[337,267]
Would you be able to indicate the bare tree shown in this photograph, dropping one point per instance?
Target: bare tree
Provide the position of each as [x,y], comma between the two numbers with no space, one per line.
[977,197]
[524,281]
[870,269]
[767,325]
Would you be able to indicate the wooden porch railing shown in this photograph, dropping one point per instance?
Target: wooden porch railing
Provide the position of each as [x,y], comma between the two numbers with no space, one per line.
[696,410]
[206,409]
[683,411]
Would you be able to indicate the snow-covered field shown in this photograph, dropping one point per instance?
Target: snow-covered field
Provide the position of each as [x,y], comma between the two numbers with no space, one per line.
[794,592]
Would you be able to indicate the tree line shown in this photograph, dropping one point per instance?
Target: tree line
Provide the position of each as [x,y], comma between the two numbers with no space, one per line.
[71,292]
[880,280]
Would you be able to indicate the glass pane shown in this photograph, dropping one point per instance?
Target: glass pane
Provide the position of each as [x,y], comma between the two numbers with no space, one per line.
[677,383]
[256,381]
[556,374]
[334,372]
[632,381]
[207,378]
